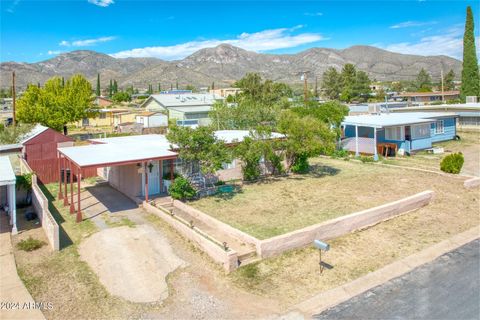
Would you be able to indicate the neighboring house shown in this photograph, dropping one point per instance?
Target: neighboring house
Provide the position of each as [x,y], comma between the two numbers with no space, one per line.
[7,191]
[428,97]
[144,165]
[468,113]
[39,149]
[401,132]
[103,102]
[225,92]
[152,119]
[108,118]
[190,109]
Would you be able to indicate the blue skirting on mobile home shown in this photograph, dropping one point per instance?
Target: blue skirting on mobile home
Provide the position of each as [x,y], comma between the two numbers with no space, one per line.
[409,132]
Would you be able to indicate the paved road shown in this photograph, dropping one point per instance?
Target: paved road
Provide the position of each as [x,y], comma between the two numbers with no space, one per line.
[446,288]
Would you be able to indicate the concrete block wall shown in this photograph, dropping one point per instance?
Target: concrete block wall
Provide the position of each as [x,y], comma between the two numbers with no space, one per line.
[228,259]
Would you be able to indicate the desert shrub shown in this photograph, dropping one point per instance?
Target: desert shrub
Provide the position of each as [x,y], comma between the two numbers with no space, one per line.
[301,164]
[251,171]
[30,244]
[182,189]
[341,153]
[276,162]
[366,159]
[452,163]
[24,181]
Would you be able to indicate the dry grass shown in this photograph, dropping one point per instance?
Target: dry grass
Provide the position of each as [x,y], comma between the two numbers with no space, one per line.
[335,188]
[469,145]
[296,276]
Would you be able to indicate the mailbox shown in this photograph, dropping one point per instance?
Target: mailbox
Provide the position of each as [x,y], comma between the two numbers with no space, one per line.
[321,245]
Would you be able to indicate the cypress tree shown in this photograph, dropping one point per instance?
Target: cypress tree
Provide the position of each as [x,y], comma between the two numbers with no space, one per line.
[159,87]
[63,82]
[98,85]
[171,87]
[176,85]
[110,89]
[115,86]
[470,75]
[213,85]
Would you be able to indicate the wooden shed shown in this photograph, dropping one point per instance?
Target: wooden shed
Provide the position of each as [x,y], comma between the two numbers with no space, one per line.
[40,151]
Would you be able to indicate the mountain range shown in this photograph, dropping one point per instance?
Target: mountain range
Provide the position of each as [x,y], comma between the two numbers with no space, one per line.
[223,65]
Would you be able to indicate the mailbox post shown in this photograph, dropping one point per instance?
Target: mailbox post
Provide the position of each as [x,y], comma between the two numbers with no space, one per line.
[321,246]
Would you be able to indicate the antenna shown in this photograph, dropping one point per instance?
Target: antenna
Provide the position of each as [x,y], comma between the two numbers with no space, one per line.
[14,118]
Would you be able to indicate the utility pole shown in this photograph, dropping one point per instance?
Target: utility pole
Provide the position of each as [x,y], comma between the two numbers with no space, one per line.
[14,118]
[441,75]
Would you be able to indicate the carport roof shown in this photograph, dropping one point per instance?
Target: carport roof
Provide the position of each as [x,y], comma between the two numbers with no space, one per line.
[119,151]
[394,119]
[7,175]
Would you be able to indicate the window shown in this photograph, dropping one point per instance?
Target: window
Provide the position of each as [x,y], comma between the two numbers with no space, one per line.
[420,131]
[439,128]
[103,115]
[395,133]
[228,165]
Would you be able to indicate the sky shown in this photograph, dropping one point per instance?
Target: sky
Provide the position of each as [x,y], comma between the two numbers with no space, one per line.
[36,30]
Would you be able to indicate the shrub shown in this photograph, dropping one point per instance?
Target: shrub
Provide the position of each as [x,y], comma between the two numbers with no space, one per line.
[301,164]
[251,171]
[30,244]
[452,163]
[24,181]
[276,162]
[366,159]
[182,189]
[219,183]
[337,154]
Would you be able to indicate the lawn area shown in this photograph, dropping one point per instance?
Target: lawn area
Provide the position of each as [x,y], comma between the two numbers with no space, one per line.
[294,276]
[469,145]
[332,189]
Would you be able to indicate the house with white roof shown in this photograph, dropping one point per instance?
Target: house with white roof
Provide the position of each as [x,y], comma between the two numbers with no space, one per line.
[190,109]
[400,133]
[142,166]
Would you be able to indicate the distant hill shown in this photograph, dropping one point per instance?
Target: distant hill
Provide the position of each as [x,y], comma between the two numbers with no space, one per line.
[224,64]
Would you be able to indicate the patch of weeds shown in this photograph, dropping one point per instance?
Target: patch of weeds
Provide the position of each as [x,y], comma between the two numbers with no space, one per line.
[366,159]
[120,223]
[30,244]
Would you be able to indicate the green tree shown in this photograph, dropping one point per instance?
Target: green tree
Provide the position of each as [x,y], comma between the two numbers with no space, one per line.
[361,87]
[348,78]
[331,83]
[249,152]
[190,87]
[470,74]
[110,89]
[213,85]
[306,137]
[423,82]
[55,106]
[159,87]
[448,81]
[115,87]
[199,146]
[176,85]
[121,96]
[13,134]
[98,90]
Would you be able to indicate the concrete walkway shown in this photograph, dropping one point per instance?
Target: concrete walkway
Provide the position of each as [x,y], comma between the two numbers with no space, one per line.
[12,289]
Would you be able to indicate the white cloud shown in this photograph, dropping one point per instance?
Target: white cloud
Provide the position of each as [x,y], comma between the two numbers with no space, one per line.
[85,43]
[408,24]
[449,43]
[102,3]
[259,41]
[313,14]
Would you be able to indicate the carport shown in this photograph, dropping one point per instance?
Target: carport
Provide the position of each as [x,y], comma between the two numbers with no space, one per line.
[8,181]
[139,150]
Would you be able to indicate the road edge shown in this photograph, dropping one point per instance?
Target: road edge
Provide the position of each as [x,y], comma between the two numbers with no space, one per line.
[327,299]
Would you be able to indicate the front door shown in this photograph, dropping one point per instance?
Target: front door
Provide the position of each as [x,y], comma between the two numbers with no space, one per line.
[153,179]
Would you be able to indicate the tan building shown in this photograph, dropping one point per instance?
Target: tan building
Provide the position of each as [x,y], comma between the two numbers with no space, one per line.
[108,118]
[429,97]
[225,92]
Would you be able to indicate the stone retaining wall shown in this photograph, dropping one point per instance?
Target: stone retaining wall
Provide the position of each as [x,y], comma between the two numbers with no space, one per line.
[342,225]
[229,259]
[217,224]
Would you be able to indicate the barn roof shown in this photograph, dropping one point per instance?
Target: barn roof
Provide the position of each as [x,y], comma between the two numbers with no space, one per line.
[38,129]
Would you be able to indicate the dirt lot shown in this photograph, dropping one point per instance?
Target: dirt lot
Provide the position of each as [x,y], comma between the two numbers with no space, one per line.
[335,188]
[131,263]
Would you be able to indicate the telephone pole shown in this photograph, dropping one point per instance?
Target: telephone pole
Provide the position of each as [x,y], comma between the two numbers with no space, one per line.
[14,118]
[441,75]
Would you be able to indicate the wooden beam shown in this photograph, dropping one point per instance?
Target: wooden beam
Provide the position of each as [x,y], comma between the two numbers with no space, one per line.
[60,194]
[79,211]
[65,198]
[72,207]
